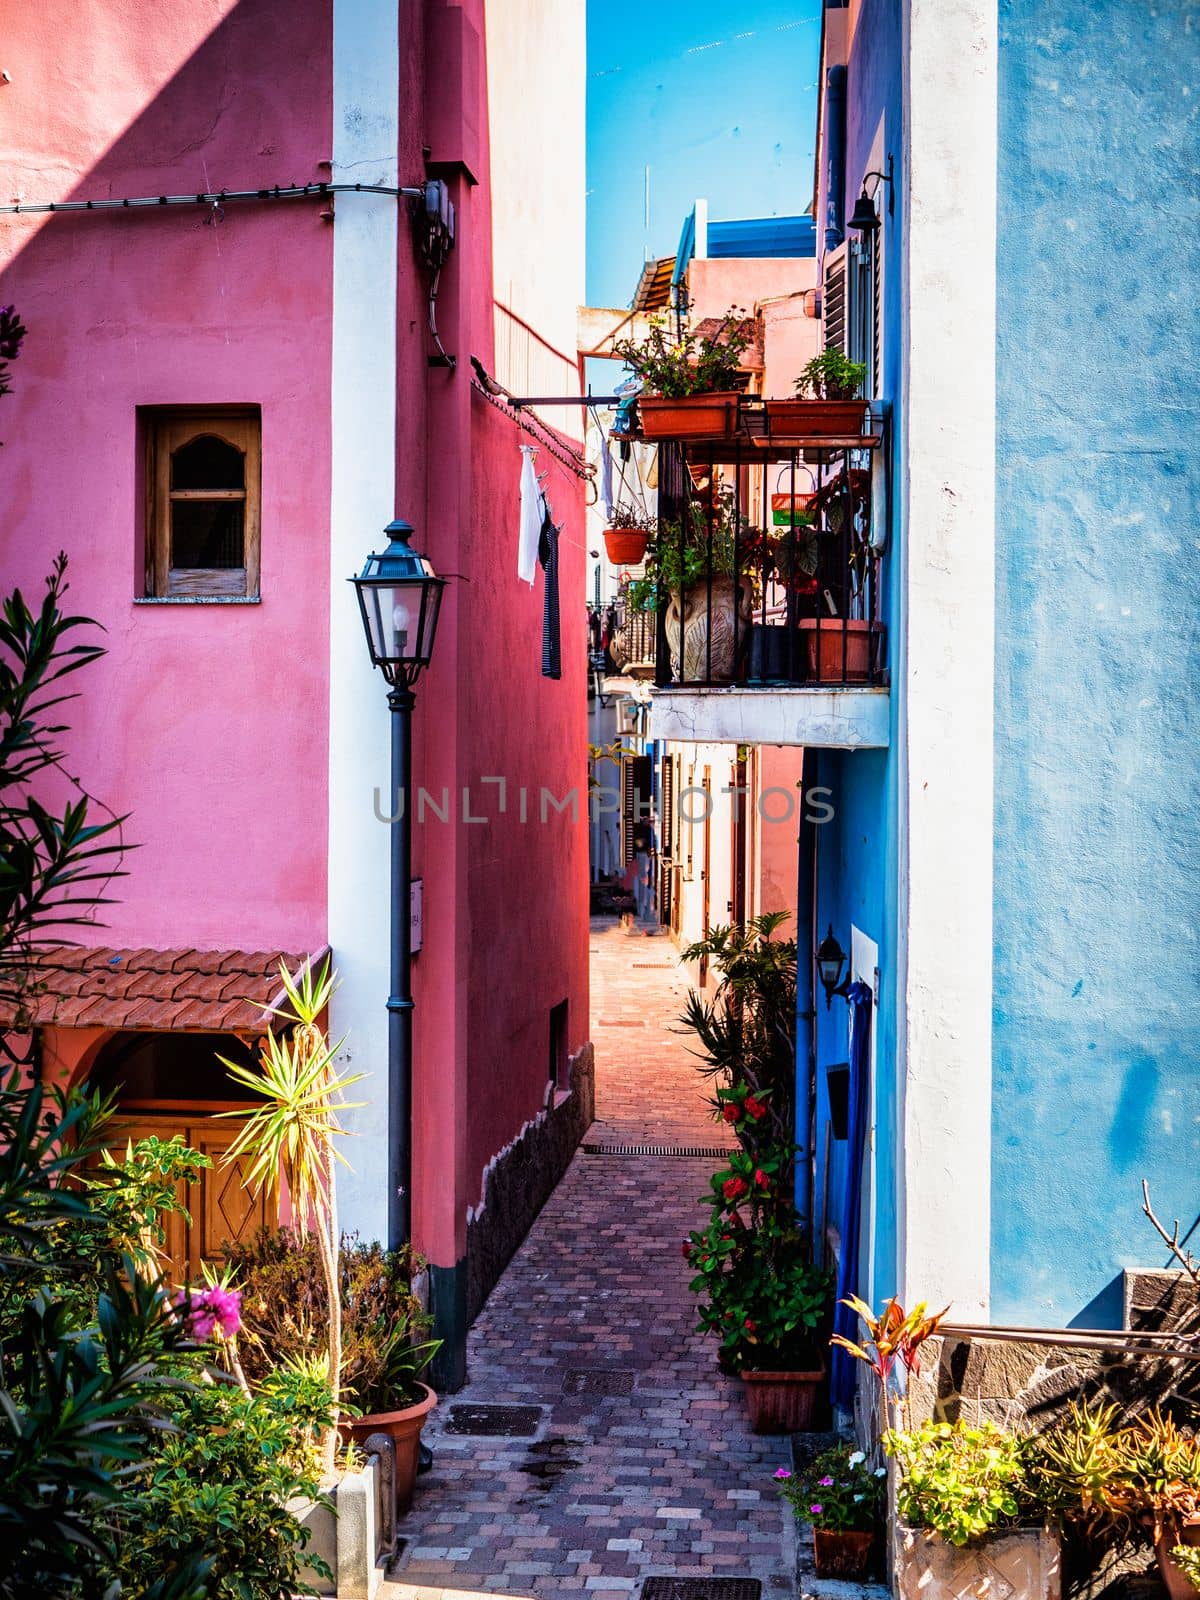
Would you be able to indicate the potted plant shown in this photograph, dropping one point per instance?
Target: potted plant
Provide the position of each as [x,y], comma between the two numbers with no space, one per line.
[783,558]
[1116,1482]
[627,535]
[827,403]
[709,606]
[842,1497]
[967,1512]
[693,380]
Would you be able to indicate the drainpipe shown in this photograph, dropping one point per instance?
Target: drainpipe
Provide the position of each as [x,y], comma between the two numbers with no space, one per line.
[835,157]
[806,1015]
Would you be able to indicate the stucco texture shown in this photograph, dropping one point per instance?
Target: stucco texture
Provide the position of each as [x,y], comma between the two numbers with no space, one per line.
[206,724]
[1097,892]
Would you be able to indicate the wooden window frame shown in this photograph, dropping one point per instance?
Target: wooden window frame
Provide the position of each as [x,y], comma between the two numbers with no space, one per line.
[167,431]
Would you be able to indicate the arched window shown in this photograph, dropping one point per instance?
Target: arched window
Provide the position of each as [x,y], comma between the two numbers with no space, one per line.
[202,532]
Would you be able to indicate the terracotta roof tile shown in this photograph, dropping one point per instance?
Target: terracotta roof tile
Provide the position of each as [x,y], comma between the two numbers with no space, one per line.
[198,990]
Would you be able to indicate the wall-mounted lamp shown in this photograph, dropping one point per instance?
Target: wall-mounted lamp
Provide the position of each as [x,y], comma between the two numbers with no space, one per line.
[831,962]
[865,218]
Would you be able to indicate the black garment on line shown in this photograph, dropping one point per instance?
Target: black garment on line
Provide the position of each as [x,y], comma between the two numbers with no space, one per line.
[551,634]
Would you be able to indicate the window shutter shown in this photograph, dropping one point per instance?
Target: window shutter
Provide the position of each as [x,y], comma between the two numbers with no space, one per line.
[628,795]
[833,301]
[666,821]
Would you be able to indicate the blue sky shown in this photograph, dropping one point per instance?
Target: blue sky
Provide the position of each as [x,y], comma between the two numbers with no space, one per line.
[718,99]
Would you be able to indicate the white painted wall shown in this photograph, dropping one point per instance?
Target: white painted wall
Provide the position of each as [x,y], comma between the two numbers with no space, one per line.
[947,649]
[365,135]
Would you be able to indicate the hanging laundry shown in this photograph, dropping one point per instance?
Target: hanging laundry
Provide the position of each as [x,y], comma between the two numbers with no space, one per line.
[551,628]
[533,513]
[606,490]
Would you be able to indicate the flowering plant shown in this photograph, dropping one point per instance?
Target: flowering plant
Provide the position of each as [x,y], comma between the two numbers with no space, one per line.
[206,1312]
[765,1299]
[839,1492]
[693,363]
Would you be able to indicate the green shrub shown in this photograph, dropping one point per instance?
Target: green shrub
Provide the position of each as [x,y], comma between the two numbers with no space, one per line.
[960,1481]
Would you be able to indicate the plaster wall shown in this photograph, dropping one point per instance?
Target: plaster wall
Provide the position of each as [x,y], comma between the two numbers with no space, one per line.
[1097,891]
[207,724]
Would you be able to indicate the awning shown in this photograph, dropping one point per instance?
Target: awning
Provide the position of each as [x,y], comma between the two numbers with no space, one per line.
[198,991]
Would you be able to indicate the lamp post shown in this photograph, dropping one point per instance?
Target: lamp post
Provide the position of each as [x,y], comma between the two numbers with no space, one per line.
[400,596]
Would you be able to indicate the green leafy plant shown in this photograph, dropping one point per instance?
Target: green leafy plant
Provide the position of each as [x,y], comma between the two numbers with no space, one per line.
[291,1136]
[960,1481]
[831,376]
[218,1485]
[691,364]
[839,1491]
[705,539]
[763,1296]
[1187,1558]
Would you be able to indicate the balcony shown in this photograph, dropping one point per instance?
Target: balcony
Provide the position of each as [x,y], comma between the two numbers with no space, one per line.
[758,613]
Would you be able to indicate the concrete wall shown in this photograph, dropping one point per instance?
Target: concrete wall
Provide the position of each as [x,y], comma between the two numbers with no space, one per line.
[1097,893]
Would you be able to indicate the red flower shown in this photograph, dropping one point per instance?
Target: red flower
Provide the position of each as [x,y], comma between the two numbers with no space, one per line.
[750,1326]
[686,1249]
[729,1111]
[734,1188]
[761,1178]
[755,1108]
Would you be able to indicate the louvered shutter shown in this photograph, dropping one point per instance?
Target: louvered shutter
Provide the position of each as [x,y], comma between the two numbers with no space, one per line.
[833,300]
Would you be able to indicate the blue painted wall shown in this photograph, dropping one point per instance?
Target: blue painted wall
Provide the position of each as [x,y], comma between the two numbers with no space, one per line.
[1097,894]
[858,862]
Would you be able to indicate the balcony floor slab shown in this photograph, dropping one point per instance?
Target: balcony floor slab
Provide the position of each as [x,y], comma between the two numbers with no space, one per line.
[841,718]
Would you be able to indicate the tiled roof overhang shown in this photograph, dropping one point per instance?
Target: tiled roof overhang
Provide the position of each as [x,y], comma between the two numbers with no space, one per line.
[197,991]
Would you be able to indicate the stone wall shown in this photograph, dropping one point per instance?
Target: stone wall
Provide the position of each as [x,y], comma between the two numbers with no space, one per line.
[521,1178]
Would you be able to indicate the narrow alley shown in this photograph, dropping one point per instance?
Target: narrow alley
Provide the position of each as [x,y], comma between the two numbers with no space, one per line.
[636,1459]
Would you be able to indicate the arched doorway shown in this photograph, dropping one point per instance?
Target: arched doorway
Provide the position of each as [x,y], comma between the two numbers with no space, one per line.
[173,1083]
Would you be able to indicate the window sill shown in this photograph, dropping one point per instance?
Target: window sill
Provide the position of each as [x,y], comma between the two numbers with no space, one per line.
[198,600]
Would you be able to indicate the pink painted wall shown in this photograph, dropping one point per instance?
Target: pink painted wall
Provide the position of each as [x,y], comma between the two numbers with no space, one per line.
[206,723]
[516,943]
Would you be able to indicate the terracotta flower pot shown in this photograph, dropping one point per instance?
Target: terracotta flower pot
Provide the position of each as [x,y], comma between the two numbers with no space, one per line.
[1175,1581]
[815,419]
[404,1429]
[625,546]
[781,1402]
[693,416]
[842,1553]
[840,651]
[693,615]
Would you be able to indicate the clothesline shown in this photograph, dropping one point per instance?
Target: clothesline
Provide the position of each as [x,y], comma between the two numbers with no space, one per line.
[544,434]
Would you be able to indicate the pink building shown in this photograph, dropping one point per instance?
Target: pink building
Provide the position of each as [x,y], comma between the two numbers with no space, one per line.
[217,410]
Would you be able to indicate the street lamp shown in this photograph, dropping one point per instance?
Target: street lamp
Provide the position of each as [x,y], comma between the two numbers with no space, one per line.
[400,596]
[831,959]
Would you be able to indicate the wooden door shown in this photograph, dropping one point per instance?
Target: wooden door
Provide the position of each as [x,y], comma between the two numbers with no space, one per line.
[222,1207]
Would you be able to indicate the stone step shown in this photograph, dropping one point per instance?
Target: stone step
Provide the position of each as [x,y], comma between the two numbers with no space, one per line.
[840,1589]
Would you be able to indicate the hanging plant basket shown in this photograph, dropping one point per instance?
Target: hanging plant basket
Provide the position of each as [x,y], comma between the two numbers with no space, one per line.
[693,416]
[626,547]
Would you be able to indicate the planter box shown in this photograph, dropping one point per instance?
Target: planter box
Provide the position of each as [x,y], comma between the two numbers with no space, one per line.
[841,651]
[815,419]
[695,416]
[347,1535]
[1018,1564]
[782,1402]
[841,1555]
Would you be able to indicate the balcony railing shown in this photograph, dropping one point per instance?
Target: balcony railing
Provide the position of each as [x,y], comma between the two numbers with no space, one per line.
[767,566]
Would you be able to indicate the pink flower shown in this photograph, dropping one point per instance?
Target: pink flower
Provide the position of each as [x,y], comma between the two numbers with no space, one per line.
[208,1309]
[815,1511]
[825,1483]
[781,1473]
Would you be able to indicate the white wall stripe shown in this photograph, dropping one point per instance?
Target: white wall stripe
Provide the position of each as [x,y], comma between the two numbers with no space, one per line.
[950,56]
[363,422]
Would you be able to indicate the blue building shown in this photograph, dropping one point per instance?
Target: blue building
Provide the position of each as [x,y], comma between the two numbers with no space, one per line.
[1013,870]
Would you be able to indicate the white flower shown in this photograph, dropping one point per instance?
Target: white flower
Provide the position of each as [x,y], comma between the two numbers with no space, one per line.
[858,1457]
[857,1498]
[881,1472]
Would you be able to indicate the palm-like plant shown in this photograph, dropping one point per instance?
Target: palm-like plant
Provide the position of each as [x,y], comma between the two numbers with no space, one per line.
[290,1137]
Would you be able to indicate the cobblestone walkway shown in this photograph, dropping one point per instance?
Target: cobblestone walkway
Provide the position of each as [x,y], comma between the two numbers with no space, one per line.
[664,1478]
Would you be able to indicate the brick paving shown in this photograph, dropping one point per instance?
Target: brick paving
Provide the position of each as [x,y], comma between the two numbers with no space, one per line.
[666,1479]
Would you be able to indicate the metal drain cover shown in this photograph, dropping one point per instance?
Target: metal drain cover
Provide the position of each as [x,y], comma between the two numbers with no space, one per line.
[701,1589]
[499,1422]
[689,1151]
[597,1380]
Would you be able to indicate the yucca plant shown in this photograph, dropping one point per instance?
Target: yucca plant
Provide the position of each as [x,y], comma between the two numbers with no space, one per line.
[290,1137]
